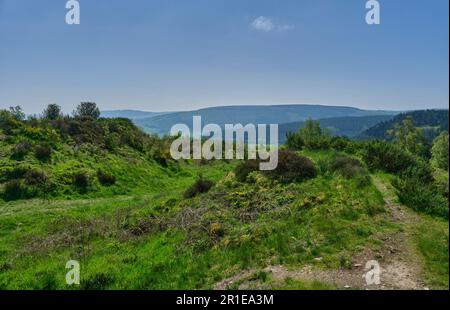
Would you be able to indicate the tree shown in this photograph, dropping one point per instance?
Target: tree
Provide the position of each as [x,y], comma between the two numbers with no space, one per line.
[11,119]
[52,112]
[311,136]
[408,137]
[87,110]
[439,151]
[17,113]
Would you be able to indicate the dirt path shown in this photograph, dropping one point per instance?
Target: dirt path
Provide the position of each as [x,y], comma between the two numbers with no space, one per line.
[399,264]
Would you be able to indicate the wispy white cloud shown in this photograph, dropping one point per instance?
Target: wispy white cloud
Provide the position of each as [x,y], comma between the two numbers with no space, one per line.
[266,24]
[263,23]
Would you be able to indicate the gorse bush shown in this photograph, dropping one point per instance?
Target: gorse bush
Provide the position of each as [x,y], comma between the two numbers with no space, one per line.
[216,230]
[417,189]
[292,168]
[199,187]
[414,184]
[382,155]
[245,168]
[420,196]
[420,171]
[105,178]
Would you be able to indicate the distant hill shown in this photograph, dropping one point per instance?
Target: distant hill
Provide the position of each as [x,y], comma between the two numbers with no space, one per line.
[130,114]
[432,121]
[279,114]
[339,126]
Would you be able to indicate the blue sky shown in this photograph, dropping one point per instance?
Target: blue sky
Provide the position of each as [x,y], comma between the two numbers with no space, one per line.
[165,55]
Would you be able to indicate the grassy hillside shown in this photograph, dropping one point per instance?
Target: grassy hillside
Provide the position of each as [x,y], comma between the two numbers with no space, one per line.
[72,158]
[148,222]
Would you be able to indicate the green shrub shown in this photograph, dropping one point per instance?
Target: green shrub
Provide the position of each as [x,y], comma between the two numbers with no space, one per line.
[38,184]
[21,149]
[9,121]
[105,178]
[310,136]
[294,141]
[245,168]
[417,189]
[421,171]
[363,179]
[443,185]
[348,167]
[17,172]
[292,168]
[351,168]
[112,141]
[200,186]
[439,151]
[35,177]
[339,143]
[81,180]
[382,155]
[43,152]
[159,158]
[422,197]
[14,190]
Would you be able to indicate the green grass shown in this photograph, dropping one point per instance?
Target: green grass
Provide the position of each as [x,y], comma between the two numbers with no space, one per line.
[262,223]
[431,240]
